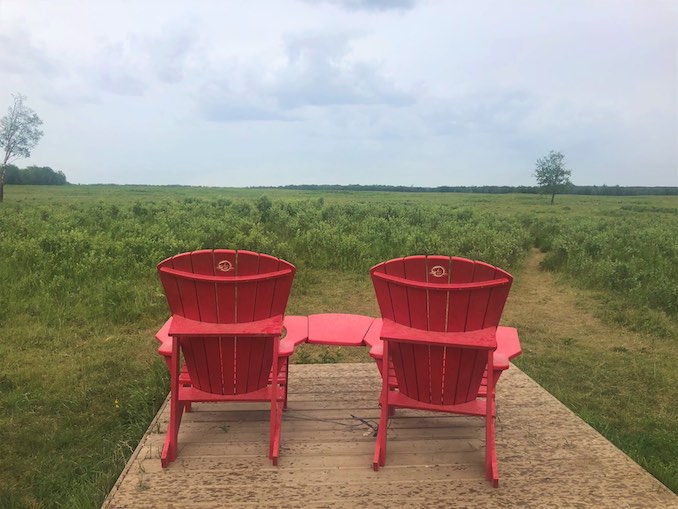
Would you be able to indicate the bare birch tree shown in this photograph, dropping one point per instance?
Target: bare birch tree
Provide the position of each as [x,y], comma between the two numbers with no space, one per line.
[19,134]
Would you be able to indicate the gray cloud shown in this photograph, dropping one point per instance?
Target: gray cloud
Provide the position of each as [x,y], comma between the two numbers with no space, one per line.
[320,72]
[20,55]
[228,102]
[122,70]
[169,54]
[370,5]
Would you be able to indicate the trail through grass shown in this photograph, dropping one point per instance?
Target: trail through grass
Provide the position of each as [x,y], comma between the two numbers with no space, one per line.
[619,381]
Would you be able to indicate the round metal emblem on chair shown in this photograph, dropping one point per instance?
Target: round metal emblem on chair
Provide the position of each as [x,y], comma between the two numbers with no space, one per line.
[438,271]
[225,266]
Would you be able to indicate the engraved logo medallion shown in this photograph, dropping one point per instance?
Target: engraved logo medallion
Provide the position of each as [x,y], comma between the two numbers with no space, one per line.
[438,271]
[224,266]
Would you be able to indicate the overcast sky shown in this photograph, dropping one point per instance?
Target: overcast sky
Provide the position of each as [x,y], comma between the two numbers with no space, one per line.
[402,92]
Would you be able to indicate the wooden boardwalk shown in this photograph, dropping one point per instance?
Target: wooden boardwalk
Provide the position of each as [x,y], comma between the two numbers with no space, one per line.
[548,457]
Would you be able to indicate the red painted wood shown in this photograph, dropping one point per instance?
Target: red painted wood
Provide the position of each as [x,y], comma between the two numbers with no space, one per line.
[186,288]
[228,375]
[439,328]
[437,360]
[382,292]
[417,296]
[247,265]
[438,270]
[420,356]
[181,326]
[461,272]
[398,293]
[479,299]
[224,266]
[481,338]
[338,329]
[451,374]
[227,309]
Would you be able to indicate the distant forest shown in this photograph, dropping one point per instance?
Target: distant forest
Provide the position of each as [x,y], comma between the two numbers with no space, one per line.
[589,190]
[34,175]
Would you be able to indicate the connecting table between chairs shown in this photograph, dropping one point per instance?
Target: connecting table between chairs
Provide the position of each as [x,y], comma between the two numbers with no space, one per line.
[343,329]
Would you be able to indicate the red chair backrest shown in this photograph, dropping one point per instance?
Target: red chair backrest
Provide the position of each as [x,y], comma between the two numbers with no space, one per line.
[227,286]
[442,294]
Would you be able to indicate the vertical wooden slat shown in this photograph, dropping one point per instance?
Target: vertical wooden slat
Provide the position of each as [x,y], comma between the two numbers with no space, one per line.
[242,363]
[224,261]
[202,262]
[415,270]
[476,376]
[189,298]
[438,271]
[253,369]
[398,293]
[266,288]
[437,362]
[283,287]
[467,364]
[498,296]
[421,362]
[399,368]
[247,265]
[194,356]
[227,348]
[479,298]
[381,290]
[461,271]
[452,363]
[265,362]
[169,285]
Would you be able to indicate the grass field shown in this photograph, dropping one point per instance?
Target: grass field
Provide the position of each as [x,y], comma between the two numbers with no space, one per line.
[80,302]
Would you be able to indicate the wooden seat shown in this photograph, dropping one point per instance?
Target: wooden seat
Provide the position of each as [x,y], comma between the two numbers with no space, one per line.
[440,317]
[227,319]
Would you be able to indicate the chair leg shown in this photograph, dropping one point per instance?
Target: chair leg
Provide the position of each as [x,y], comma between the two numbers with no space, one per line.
[287,379]
[491,470]
[276,424]
[386,411]
[379,459]
[169,450]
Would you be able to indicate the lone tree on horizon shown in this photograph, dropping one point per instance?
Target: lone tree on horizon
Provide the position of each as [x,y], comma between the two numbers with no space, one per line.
[19,134]
[551,174]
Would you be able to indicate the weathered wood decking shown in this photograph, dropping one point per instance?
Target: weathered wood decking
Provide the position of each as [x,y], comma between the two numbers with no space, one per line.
[547,456]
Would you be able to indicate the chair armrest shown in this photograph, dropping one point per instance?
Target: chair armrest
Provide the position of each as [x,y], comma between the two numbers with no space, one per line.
[373,339]
[500,362]
[296,328]
[508,343]
[185,327]
[482,338]
[165,339]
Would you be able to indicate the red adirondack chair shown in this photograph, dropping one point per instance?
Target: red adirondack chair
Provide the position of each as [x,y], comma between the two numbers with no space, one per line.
[227,318]
[440,317]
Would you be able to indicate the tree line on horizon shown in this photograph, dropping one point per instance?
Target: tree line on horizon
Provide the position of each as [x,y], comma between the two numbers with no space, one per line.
[603,190]
[34,175]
